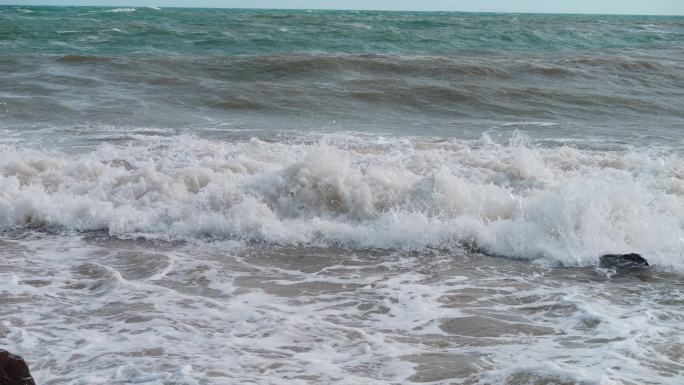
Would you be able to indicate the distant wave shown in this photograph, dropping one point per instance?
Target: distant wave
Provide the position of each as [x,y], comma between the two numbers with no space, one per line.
[122,10]
[180,31]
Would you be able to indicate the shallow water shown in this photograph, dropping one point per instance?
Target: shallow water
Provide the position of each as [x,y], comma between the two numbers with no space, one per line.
[116,311]
[293,197]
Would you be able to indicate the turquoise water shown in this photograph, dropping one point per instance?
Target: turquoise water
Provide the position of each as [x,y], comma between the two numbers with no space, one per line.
[119,31]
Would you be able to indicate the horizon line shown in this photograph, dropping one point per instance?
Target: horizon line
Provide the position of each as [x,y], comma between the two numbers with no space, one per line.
[345,10]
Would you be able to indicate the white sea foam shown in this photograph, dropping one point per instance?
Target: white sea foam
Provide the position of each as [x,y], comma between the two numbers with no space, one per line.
[555,205]
[114,311]
[122,10]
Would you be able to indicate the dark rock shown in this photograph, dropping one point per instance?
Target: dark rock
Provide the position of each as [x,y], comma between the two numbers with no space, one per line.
[623,261]
[13,370]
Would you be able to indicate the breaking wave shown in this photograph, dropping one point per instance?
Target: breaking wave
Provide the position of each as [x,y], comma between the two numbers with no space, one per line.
[559,205]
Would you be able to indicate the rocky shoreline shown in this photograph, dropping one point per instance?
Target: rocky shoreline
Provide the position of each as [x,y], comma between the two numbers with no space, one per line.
[14,370]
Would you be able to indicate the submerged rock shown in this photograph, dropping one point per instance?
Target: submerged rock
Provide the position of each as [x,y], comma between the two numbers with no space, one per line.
[13,370]
[623,261]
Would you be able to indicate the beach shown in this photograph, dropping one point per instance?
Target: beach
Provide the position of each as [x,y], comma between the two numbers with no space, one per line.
[210,196]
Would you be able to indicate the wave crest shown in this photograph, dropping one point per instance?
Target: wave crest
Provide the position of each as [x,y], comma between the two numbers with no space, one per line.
[562,205]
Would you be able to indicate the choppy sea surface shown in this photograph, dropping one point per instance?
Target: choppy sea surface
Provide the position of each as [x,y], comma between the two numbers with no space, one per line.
[194,196]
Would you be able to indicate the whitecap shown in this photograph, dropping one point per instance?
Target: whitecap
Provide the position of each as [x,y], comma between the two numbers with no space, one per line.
[121,10]
[559,205]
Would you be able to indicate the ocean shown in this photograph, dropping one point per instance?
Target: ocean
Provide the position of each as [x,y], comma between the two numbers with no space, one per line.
[210,196]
